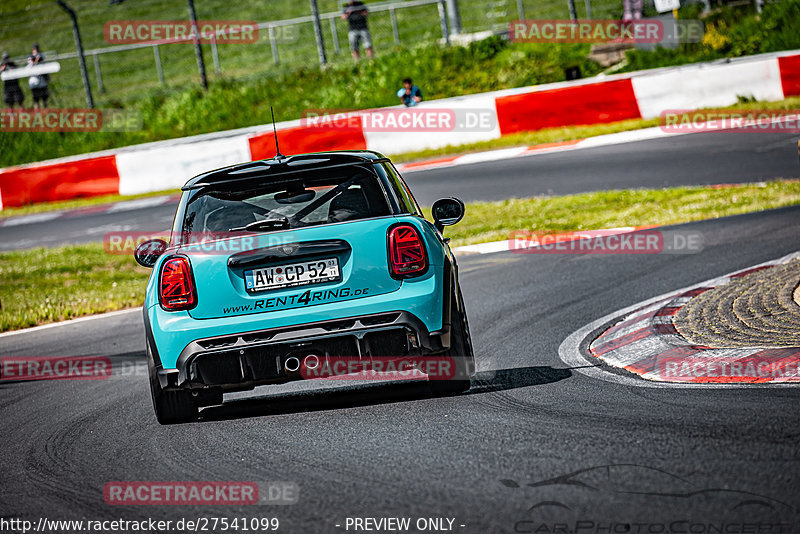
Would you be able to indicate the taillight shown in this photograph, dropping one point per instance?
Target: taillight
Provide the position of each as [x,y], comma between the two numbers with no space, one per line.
[406,252]
[176,285]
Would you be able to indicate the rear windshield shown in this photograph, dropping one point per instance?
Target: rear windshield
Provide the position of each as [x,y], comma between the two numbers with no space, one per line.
[312,199]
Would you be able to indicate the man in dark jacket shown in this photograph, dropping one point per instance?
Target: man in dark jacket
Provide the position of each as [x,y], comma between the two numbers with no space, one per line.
[355,13]
[12,92]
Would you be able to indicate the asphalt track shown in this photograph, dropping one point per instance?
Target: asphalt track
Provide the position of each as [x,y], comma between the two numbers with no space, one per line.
[534,446]
[694,159]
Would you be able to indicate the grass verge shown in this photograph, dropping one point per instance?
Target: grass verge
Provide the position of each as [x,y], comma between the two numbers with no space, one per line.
[45,285]
[495,221]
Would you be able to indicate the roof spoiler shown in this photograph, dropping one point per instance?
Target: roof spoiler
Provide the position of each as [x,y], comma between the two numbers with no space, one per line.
[270,168]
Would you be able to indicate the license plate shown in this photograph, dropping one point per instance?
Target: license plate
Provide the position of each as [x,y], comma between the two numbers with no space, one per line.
[292,275]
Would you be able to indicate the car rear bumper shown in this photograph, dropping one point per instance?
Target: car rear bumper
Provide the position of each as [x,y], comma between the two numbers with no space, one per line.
[172,333]
[244,361]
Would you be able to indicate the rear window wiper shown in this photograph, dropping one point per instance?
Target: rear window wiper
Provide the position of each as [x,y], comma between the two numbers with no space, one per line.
[266,224]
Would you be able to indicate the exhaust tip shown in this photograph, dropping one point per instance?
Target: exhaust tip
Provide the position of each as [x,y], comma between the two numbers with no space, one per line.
[291,364]
[311,361]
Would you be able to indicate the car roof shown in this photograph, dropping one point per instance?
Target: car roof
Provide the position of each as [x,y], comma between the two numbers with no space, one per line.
[282,165]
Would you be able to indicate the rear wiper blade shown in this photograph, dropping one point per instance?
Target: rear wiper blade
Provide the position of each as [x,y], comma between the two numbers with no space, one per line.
[266,224]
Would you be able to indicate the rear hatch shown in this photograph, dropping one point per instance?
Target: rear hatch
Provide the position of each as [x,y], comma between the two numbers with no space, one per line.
[291,269]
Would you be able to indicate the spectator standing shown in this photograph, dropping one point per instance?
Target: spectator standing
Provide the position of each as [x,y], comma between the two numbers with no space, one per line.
[631,10]
[12,92]
[410,94]
[38,84]
[355,13]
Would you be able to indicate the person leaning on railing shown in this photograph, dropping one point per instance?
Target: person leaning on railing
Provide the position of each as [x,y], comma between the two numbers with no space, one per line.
[409,94]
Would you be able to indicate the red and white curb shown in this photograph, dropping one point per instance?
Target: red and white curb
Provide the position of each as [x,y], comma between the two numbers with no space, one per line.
[642,340]
[630,136]
[451,161]
[602,99]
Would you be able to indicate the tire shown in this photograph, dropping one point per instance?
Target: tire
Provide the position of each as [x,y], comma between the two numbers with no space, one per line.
[460,350]
[170,406]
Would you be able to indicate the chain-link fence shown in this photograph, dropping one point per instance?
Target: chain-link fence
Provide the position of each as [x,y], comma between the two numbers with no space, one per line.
[286,37]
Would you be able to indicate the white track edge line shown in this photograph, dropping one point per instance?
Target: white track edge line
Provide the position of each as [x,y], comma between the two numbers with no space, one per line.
[105,315]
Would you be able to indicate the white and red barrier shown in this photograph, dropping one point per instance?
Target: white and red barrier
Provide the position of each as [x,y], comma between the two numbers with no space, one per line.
[644,94]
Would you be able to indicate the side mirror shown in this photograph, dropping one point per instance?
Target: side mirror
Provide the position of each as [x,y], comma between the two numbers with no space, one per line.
[446,212]
[148,252]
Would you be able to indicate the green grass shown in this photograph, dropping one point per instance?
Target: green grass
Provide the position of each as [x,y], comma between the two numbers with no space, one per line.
[127,74]
[730,31]
[53,284]
[44,285]
[496,221]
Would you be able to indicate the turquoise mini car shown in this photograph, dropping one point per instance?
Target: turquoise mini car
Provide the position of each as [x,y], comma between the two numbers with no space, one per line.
[297,268]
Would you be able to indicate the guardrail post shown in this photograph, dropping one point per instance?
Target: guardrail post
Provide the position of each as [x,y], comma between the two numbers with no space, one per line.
[335,36]
[395,31]
[443,21]
[100,86]
[454,16]
[573,15]
[273,44]
[198,50]
[323,60]
[215,55]
[159,70]
[76,32]
[588,4]
[520,10]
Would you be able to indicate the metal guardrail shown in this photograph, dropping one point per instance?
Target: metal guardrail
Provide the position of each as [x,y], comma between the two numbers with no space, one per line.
[493,14]
[269,26]
[332,16]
